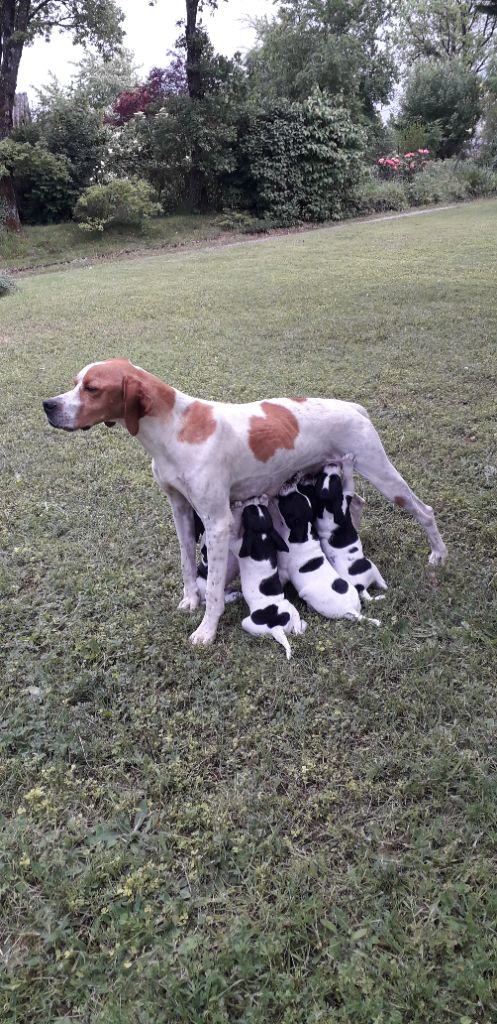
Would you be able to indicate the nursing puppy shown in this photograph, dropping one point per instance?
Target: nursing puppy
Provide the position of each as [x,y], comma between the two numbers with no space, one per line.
[256,550]
[203,565]
[340,541]
[305,565]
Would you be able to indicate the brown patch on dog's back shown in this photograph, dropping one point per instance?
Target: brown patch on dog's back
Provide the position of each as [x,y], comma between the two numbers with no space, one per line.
[400,501]
[198,423]
[278,428]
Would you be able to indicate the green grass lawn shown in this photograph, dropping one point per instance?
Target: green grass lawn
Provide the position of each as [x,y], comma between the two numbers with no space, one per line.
[216,835]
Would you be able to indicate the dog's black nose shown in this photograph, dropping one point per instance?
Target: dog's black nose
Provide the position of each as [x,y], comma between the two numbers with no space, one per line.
[49,405]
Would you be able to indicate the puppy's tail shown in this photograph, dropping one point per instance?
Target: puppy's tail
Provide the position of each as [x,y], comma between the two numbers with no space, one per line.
[362,618]
[281,637]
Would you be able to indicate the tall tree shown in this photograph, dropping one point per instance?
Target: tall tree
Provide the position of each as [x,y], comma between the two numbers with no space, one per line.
[339,47]
[21,22]
[442,29]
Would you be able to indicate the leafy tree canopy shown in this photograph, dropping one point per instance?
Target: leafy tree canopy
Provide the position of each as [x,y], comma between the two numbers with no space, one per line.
[338,47]
[442,29]
[446,99]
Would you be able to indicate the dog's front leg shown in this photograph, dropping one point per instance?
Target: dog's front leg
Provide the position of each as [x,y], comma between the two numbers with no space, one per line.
[217,529]
[183,521]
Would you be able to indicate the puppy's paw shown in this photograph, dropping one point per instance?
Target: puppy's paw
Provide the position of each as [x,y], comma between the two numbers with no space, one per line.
[348,460]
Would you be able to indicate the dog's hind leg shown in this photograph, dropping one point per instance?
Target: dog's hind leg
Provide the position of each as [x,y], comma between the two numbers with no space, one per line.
[372,463]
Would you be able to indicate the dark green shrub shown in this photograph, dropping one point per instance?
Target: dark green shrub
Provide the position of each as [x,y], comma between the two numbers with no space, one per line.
[298,161]
[120,203]
[445,99]
[42,181]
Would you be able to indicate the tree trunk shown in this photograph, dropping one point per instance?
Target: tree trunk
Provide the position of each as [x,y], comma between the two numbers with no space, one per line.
[14,19]
[194,46]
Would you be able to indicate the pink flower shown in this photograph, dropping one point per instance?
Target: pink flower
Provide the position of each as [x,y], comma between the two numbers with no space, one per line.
[408,156]
[412,165]
[381,161]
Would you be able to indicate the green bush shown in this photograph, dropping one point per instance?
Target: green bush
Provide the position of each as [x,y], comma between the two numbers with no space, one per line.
[7,284]
[120,203]
[42,181]
[478,179]
[298,161]
[374,196]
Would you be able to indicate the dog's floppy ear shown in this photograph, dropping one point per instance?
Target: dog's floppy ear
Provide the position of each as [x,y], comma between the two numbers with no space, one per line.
[278,541]
[136,403]
[356,509]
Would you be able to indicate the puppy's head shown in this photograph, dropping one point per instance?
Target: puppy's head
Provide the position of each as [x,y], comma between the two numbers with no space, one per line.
[104,393]
[256,518]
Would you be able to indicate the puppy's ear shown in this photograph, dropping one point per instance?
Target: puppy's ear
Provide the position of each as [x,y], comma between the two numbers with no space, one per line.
[278,541]
[136,403]
[356,509]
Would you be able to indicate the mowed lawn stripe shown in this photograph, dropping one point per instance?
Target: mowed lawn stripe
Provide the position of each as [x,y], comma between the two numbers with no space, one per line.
[216,835]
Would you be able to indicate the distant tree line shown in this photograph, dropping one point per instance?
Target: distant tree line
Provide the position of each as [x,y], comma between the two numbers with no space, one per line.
[286,134]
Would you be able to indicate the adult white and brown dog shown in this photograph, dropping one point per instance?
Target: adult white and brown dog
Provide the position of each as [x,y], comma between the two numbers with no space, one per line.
[208,454]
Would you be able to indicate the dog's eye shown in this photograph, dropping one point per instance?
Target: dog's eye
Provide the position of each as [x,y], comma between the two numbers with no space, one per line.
[92,390]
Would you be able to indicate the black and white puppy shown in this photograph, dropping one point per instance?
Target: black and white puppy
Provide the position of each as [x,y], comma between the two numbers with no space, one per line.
[305,565]
[256,550]
[203,565]
[340,541]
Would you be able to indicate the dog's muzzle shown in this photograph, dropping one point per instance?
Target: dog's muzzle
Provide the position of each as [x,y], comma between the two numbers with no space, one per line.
[55,414]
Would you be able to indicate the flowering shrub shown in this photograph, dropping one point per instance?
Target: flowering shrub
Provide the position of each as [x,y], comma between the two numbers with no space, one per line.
[406,166]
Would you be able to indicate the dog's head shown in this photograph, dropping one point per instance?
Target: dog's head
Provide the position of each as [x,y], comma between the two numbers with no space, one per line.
[107,392]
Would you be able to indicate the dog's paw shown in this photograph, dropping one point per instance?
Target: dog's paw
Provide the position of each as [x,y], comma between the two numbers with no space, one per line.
[438,557]
[189,603]
[204,634]
[348,460]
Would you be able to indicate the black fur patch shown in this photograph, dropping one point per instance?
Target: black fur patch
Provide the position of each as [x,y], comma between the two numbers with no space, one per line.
[260,540]
[360,565]
[271,585]
[269,617]
[312,564]
[359,587]
[202,570]
[198,526]
[353,550]
[297,513]
[340,586]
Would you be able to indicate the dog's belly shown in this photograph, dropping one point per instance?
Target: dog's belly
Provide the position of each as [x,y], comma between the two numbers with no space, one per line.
[327,429]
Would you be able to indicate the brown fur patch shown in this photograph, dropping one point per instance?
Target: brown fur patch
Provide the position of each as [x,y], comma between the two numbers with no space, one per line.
[198,423]
[278,428]
[300,400]
[400,501]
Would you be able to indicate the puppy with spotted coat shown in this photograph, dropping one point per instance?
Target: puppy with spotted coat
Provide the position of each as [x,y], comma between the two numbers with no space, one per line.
[340,541]
[256,550]
[305,565]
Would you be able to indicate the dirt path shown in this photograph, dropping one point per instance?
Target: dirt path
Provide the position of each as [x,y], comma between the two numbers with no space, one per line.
[226,241]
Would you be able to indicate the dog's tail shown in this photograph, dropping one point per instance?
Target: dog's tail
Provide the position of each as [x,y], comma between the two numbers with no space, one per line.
[281,637]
